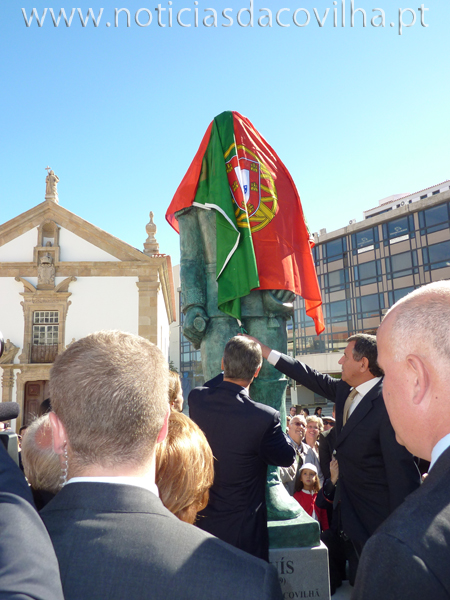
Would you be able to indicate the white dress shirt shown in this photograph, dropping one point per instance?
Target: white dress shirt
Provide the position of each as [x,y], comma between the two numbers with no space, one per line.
[362,389]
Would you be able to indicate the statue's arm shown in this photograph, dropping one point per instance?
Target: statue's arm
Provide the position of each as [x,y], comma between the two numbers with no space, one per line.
[192,275]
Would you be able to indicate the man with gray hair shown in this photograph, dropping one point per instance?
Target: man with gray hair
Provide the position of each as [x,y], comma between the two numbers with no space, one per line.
[112,535]
[245,438]
[409,555]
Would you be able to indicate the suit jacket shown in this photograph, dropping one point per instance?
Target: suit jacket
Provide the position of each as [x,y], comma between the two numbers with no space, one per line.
[28,565]
[409,555]
[245,437]
[375,472]
[117,541]
[327,444]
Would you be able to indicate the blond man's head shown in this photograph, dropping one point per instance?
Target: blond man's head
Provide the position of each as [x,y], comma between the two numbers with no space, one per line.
[109,391]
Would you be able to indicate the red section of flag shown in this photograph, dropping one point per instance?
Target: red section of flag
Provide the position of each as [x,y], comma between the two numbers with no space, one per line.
[282,246]
[185,194]
[280,236]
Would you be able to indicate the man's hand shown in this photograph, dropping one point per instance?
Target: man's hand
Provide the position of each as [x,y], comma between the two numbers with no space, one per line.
[195,325]
[264,349]
[334,471]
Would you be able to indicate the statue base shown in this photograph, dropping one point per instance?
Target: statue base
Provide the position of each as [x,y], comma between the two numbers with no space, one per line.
[301,532]
[302,572]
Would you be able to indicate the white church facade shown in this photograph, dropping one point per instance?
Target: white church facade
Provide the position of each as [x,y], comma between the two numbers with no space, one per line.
[62,278]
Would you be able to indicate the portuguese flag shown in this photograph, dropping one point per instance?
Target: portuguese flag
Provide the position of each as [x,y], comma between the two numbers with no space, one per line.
[262,238]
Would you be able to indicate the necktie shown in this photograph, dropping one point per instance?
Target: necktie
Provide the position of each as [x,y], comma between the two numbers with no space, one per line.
[348,404]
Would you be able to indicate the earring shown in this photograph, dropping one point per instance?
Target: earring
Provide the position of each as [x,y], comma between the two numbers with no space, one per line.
[64,467]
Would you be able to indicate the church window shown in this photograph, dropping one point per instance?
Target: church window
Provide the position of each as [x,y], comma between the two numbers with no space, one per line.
[45,327]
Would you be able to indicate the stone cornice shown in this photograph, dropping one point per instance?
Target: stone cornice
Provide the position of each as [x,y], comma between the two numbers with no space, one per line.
[83,269]
[90,233]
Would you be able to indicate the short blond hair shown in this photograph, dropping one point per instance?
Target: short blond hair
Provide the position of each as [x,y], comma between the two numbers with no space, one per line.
[109,390]
[41,464]
[184,468]
[315,419]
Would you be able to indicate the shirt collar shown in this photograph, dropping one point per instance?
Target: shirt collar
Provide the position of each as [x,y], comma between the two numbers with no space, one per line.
[364,388]
[440,447]
[142,482]
[296,446]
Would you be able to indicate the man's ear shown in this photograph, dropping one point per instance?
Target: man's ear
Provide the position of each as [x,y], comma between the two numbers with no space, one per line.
[257,372]
[58,433]
[163,433]
[221,365]
[419,379]
[364,365]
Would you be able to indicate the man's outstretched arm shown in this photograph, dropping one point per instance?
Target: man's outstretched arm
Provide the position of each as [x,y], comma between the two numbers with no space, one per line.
[321,384]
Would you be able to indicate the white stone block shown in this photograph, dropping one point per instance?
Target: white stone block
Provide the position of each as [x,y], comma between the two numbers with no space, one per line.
[303,572]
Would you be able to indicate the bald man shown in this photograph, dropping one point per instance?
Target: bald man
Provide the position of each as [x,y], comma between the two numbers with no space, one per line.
[409,555]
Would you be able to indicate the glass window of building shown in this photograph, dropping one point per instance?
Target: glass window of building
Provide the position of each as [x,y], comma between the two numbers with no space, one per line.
[436,256]
[400,265]
[365,240]
[337,311]
[434,219]
[335,249]
[315,253]
[370,306]
[397,295]
[367,273]
[398,230]
[338,341]
[45,327]
[335,280]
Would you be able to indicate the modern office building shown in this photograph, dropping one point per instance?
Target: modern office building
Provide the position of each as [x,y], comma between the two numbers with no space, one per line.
[363,269]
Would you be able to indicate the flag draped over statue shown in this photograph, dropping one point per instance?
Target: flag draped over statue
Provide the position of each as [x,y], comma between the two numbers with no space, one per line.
[262,238]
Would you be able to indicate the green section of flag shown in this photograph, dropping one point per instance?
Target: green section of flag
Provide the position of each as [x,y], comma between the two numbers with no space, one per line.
[237,273]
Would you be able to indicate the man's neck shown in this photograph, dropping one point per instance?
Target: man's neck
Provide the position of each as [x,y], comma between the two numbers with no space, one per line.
[144,471]
[362,379]
[295,441]
[242,382]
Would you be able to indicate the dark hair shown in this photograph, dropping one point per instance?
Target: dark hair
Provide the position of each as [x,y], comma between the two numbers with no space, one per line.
[366,347]
[241,358]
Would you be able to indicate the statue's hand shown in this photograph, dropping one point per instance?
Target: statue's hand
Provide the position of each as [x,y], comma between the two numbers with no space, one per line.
[279,302]
[195,324]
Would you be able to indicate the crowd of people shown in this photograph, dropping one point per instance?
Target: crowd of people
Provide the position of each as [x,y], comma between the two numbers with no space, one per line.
[139,500]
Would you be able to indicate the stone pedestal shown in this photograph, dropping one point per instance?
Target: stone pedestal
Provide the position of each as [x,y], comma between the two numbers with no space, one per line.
[303,572]
[301,532]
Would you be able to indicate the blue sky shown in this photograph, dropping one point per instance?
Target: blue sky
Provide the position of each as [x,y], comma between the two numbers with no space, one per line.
[356,114]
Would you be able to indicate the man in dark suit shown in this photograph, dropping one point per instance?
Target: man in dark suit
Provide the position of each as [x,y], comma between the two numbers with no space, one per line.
[375,472]
[113,537]
[28,565]
[245,438]
[409,555]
